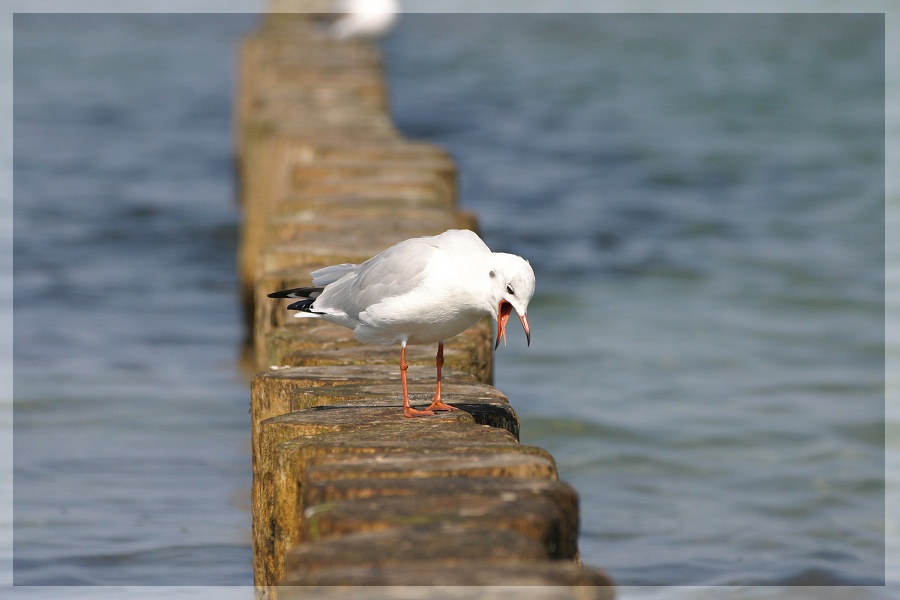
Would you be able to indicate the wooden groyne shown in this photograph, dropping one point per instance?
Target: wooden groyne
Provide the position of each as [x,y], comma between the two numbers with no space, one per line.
[347,492]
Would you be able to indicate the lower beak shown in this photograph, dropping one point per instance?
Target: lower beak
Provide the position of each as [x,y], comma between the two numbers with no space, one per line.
[502,317]
[524,319]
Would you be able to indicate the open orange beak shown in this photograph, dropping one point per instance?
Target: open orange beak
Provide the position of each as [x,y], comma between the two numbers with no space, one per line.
[502,317]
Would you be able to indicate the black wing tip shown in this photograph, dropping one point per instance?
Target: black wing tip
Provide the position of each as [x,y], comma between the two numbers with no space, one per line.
[303,305]
[304,292]
[307,296]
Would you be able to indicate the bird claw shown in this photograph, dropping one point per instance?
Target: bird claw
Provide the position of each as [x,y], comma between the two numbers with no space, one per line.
[440,405]
[410,412]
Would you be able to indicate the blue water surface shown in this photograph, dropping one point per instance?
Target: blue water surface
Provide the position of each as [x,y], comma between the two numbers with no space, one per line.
[702,198]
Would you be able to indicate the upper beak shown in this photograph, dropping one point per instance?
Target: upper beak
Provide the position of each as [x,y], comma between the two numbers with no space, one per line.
[502,317]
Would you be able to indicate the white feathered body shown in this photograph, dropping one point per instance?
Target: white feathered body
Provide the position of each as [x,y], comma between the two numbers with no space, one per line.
[420,291]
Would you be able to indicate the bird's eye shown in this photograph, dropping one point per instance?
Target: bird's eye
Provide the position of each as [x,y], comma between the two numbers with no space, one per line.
[510,291]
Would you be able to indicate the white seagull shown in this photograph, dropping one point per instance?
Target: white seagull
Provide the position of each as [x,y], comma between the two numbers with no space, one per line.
[364,18]
[420,291]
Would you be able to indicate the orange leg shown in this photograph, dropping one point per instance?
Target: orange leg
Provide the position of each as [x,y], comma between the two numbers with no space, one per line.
[408,411]
[437,403]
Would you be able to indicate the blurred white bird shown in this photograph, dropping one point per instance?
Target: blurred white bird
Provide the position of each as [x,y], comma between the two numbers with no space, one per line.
[420,291]
[364,18]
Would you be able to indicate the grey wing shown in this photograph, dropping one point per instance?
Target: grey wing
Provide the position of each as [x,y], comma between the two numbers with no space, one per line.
[331,274]
[394,272]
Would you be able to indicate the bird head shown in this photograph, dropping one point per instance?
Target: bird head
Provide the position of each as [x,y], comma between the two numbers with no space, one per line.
[512,283]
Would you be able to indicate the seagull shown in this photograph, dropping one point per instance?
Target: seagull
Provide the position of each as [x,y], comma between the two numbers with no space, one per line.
[364,18]
[422,290]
